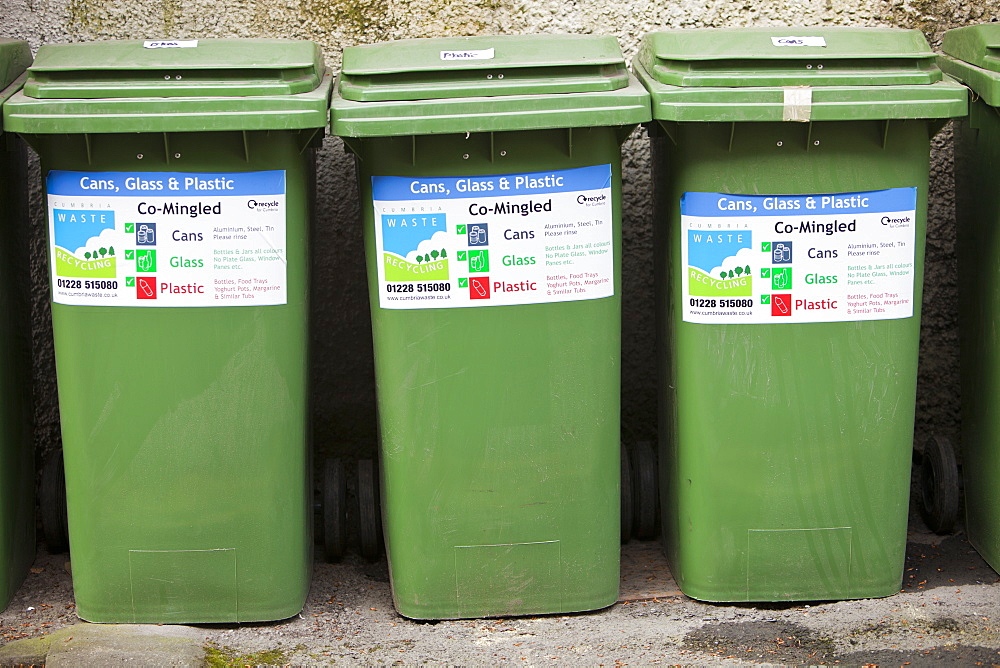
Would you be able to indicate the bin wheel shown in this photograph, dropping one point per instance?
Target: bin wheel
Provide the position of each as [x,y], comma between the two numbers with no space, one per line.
[334,510]
[55,527]
[939,489]
[644,477]
[628,516]
[369,517]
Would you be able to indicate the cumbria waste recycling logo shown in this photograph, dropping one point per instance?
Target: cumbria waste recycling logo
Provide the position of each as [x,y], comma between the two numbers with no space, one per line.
[719,263]
[84,243]
[413,247]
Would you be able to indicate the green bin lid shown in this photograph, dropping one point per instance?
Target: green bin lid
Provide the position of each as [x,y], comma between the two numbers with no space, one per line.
[973,57]
[172,86]
[482,84]
[15,57]
[804,74]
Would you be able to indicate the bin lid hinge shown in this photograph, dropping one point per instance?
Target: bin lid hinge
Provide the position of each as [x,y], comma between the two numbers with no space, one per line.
[413,148]
[86,143]
[569,142]
[809,135]
[732,135]
[166,146]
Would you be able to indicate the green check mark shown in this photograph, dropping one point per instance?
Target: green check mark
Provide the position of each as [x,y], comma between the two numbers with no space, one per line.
[463,282]
[129,228]
[460,229]
[130,281]
[765,247]
[765,299]
[130,255]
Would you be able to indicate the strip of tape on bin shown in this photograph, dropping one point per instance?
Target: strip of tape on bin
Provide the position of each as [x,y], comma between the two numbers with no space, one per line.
[797,104]
[494,240]
[167,238]
[779,259]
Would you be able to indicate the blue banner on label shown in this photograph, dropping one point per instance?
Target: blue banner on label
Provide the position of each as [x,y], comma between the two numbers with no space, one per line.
[164,184]
[389,188]
[728,205]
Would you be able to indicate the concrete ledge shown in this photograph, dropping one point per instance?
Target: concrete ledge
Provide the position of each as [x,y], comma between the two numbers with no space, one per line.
[109,645]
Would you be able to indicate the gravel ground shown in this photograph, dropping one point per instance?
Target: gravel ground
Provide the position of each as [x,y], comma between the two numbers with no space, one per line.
[947,613]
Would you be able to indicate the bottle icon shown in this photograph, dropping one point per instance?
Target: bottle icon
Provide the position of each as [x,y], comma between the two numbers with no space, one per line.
[146,287]
[479,288]
[780,279]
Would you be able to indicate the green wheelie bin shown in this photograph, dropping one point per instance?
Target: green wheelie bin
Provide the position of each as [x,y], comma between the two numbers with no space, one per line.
[790,171]
[17,463]
[971,57]
[489,171]
[178,182]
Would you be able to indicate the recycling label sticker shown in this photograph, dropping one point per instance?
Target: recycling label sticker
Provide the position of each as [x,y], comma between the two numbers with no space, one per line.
[495,240]
[167,238]
[798,258]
